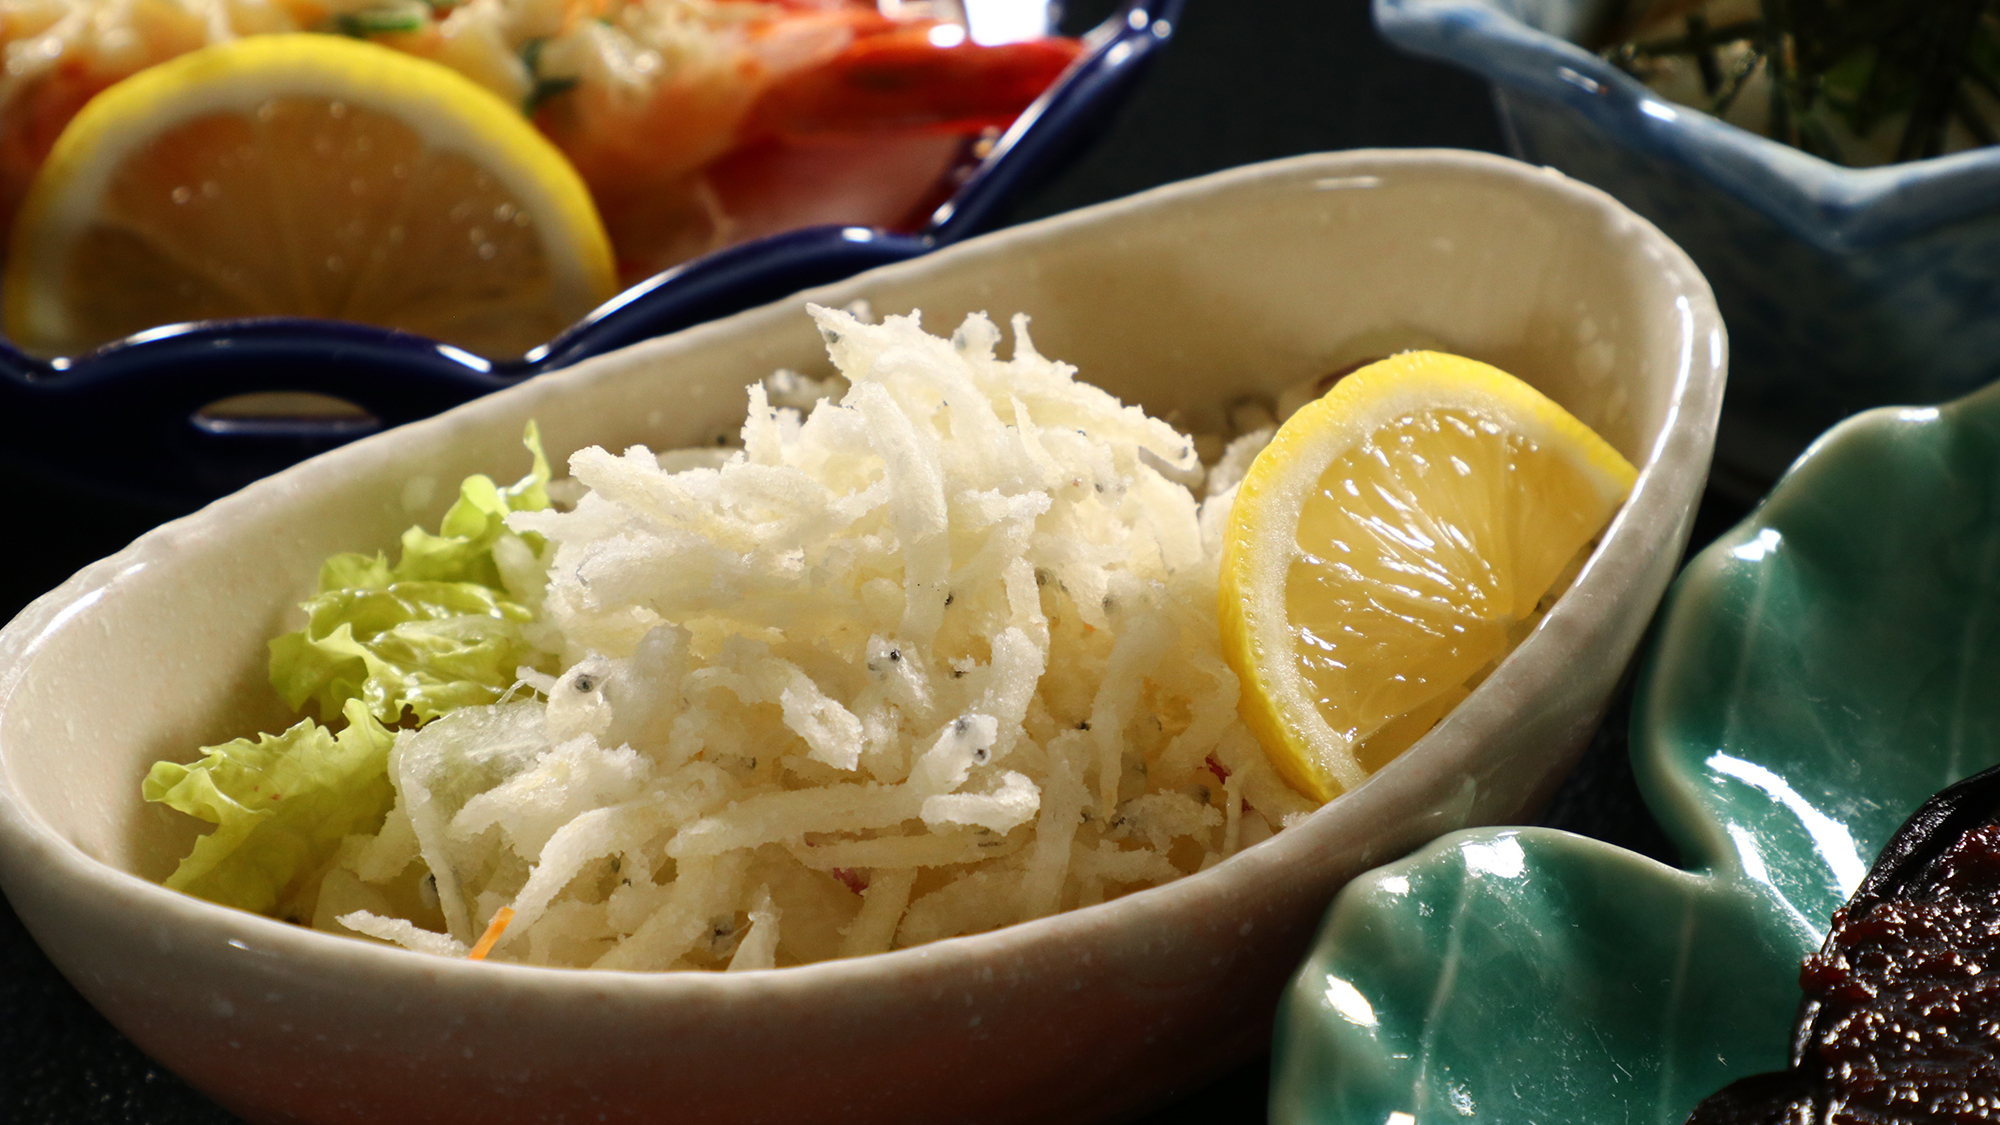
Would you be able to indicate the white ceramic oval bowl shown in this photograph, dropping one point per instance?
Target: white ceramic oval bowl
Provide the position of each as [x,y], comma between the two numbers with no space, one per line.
[1181,299]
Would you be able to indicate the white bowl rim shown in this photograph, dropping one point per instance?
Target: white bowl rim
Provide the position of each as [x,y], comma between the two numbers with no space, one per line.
[1670,480]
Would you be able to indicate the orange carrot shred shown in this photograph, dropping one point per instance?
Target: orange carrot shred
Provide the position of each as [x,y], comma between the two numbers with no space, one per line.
[491,937]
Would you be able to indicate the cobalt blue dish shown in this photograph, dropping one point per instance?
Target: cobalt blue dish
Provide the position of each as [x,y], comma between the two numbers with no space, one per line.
[1843,288]
[131,420]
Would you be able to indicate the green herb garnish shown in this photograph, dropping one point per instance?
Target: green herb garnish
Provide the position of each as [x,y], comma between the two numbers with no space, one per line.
[1914,67]
[545,86]
[385,20]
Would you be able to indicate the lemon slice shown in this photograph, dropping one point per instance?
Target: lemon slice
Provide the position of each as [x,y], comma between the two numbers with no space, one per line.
[304,175]
[1393,542]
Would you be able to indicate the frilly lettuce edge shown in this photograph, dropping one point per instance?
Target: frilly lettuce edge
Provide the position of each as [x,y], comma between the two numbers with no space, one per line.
[441,629]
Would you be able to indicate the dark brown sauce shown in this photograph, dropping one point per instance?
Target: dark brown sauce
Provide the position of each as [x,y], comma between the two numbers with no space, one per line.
[1901,1021]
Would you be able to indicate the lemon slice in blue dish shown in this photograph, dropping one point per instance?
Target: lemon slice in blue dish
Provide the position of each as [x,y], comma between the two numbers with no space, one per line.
[1815,675]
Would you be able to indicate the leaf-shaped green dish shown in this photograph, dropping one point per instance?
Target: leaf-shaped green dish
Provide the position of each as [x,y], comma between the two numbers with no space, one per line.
[1816,674]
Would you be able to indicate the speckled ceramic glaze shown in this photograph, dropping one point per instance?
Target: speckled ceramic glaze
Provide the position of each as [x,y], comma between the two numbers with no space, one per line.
[1818,672]
[1843,288]
[1182,298]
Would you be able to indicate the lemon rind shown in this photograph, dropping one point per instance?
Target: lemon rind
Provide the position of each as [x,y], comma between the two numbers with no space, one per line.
[449,111]
[1316,759]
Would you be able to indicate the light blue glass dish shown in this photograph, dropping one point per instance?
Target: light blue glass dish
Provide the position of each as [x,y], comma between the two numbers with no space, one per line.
[1814,676]
[1843,288]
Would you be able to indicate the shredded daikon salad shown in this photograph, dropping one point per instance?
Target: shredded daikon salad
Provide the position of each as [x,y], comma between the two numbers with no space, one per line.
[933,652]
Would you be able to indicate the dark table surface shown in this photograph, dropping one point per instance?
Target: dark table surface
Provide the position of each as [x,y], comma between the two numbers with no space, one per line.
[1245,80]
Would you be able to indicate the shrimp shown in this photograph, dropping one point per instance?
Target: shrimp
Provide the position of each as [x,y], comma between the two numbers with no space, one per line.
[695,123]
[806,106]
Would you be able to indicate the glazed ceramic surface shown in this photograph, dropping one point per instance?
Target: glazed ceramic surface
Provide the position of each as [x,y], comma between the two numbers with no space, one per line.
[133,418]
[1182,299]
[1817,673]
[1843,288]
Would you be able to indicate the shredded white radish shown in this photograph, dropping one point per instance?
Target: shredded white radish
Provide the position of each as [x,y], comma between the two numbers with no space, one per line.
[936,655]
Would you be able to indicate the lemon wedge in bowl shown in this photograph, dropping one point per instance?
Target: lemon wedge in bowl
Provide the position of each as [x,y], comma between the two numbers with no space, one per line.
[1392,543]
[303,175]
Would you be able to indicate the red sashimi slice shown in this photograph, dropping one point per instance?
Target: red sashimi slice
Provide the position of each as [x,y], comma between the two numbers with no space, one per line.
[900,79]
[881,180]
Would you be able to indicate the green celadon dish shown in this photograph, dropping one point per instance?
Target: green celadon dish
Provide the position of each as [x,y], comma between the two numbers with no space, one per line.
[1814,676]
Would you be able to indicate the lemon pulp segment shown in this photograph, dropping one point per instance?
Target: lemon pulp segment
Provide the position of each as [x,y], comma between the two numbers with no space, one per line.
[304,175]
[1396,539]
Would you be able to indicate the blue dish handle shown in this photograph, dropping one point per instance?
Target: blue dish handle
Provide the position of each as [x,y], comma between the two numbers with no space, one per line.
[128,419]
[1064,121]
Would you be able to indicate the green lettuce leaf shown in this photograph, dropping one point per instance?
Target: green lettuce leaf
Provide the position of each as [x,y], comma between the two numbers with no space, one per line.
[281,805]
[437,631]
[462,551]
